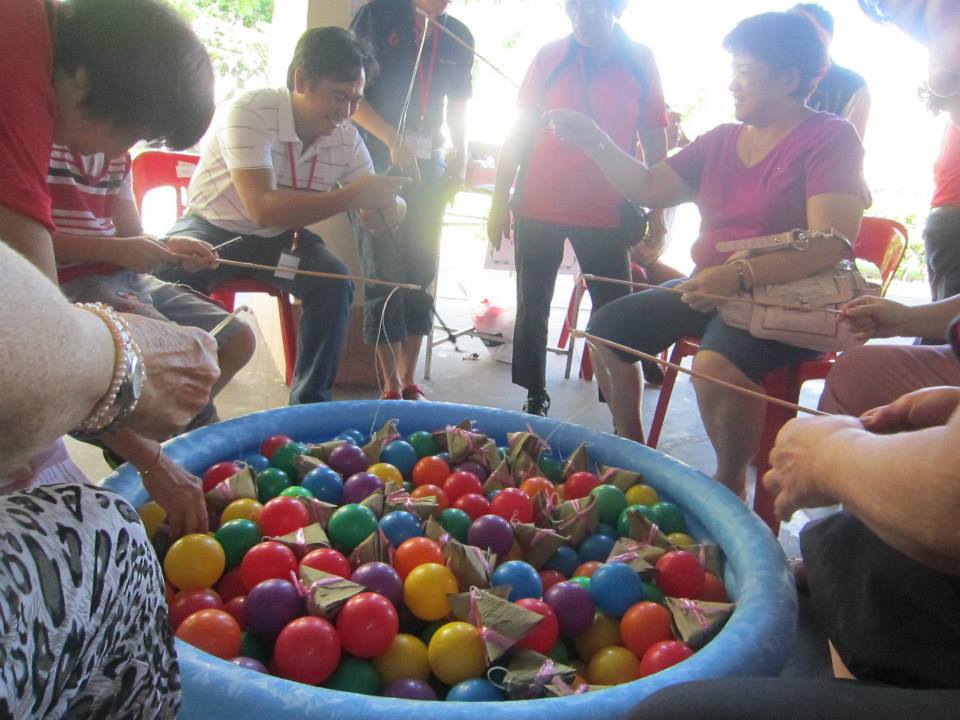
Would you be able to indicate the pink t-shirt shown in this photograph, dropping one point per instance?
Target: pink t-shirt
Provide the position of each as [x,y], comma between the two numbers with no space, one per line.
[821,155]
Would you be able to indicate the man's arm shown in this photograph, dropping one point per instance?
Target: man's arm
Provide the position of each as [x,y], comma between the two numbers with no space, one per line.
[873,317]
[653,145]
[371,121]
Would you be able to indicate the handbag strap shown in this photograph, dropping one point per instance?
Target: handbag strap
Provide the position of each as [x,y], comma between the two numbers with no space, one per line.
[794,239]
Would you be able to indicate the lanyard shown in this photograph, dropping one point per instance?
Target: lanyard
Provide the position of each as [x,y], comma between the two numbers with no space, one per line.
[293,184]
[425,76]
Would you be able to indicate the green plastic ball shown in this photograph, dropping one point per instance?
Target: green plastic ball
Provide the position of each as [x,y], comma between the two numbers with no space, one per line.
[552,469]
[350,525]
[669,518]
[582,581]
[623,522]
[356,676]
[560,653]
[610,503]
[297,491]
[270,483]
[286,456]
[456,522]
[253,647]
[424,443]
[236,537]
[652,593]
[428,632]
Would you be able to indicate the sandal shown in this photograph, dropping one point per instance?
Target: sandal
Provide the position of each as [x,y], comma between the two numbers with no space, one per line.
[391,395]
[413,392]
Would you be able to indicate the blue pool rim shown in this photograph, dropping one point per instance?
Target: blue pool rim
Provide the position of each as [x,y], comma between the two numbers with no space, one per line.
[755,642]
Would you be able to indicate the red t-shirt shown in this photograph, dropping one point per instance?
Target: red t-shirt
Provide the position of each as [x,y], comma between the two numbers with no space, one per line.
[560,183]
[27,109]
[946,172]
[822,155]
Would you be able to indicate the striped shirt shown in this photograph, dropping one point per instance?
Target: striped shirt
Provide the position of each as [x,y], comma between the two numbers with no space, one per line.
[257,131]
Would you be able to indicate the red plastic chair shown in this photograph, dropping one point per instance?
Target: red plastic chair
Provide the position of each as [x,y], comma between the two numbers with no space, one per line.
[158,168]
[880,242]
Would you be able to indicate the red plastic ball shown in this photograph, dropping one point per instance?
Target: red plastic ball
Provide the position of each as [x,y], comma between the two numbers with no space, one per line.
[307,650]
[415,552]
[680,574]
[283,515]
[512,503]
[186,602]
[587,569]
[231,585]
[549,578]
[579,485]
[269,446]
[662,655]
[235,608]
[329,561]
[367,625]
[544,634]
[435,491]
[713,589]
[213,631]
[430,470]
[462,483]
[265,561]
[216,474]
[473,504]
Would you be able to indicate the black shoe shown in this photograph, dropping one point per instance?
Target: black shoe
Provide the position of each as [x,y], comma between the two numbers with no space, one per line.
[652,374]
[538,403]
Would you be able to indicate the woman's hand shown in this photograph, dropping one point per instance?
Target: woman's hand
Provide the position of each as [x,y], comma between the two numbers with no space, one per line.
[194,254]
[720,280]
[180,493]
[873,317]
[498,222]
[577,129]
[929,407]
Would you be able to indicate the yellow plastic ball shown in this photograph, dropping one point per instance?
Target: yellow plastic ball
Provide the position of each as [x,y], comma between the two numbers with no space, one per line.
[642,495]
[405,658]
[425,591]
[194,562]
[681,539]
[242,509]
[387,473]
[152,515]
[604,632]
[613,666]
[456,653]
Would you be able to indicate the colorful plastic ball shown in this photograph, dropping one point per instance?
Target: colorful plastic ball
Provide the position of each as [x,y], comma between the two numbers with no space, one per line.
[380,578]
[386,472]
[401,455]
[473,504]
[270,606]
[652,593]
[680,574]
[409,689]
[253,647]
[544,634]
[329,561]
[564,561]
[285,457]
[608,530]
[462,483]
[595,547]
[445,456]
[356,676]
[552,468]
[348,460]
[669,518]
[643,625]
[425,591]
[415,552]
[152,515]
[456,522]
[405,658]
[587,569]
[296,491]
[307,650]
[266,561]
[713,589]
[623,522]
[272,444]
[573,607]
[257,462]
[236,537]
[491,532]
[357,437]
[475,690]
[350,525]
[236,608]
[248,663]
[434,491]
[560,653]
[610,503]
[430,470]
[549,578]
[423,442]
[641,494]
[581,580]
[241,509]
[270,483]
[193,562]
[680,539]
[213,631]
[616,587]
[603,632]
[474,469]
[367,624]
[325,483]
[456,653]
[428,632]
[407,486]
[662,655]
[187,602]
[533,486]
[613,666]
[399,526]
[522,578]
[359,487]
[216,474]
[512,504]
[231,585]
[283,515]
[579,485]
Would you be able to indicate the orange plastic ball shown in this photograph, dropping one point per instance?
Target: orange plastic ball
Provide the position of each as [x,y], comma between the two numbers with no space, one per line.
[587,569]
[415,552]
[213,631]
[645,624]
[430,470]
[435,491]
[534,485]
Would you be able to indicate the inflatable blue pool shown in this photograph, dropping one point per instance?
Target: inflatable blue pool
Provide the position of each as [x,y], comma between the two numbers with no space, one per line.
[756,641]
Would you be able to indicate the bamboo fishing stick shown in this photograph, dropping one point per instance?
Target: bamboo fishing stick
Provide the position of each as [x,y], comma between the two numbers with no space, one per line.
[453,35]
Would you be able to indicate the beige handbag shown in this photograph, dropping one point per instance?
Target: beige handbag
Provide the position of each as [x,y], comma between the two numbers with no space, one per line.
[805,312]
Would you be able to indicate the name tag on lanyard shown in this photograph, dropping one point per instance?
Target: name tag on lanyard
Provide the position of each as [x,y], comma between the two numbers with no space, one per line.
[285,264]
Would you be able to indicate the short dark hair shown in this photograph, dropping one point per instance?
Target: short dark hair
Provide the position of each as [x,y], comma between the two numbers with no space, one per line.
[820,15]
[147,69]
[335,53]
[784,41]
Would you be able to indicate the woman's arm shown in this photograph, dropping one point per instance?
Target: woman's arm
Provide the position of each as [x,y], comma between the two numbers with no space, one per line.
[518,140]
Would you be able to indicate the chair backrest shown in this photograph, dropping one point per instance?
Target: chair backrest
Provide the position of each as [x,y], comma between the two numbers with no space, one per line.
[882,242]
[158,168]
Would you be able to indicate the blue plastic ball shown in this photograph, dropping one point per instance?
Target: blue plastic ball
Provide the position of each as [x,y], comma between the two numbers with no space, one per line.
[616,587]
[349,438]
[523,579]
[595,547]
[475,690]
[445,456]
[492,495]
[607,530]
[401,455]
[399,526]
[353,435]
[564,561]
[257,462]
[325,484]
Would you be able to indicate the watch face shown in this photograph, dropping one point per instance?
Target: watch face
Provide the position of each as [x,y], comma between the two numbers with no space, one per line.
[138,377]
